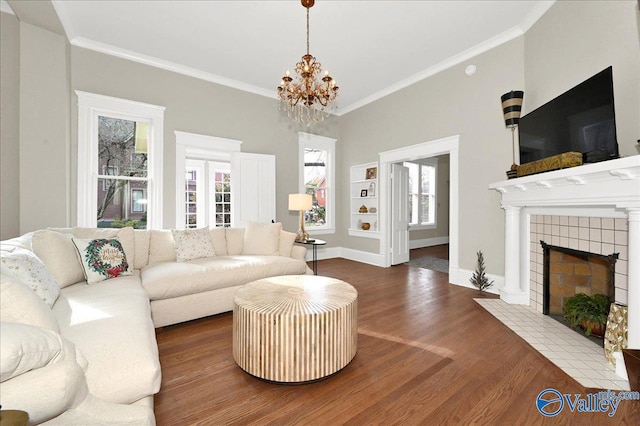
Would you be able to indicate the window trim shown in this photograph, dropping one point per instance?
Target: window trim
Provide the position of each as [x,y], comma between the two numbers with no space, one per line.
[308,140]
[90,107]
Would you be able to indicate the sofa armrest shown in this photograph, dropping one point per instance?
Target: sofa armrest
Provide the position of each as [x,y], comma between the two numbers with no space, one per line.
[298,252]
[46,392]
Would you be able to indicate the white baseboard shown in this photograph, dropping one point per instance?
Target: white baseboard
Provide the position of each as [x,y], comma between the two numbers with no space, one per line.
[375,259]
[428,242]
[457,276]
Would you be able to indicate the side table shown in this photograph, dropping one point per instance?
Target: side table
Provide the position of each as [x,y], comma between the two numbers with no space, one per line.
[314,244]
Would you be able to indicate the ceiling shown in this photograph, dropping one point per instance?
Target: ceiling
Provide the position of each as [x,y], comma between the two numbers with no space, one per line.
[372,48]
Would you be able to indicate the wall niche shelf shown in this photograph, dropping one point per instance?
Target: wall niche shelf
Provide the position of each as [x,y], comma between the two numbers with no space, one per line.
[364,192]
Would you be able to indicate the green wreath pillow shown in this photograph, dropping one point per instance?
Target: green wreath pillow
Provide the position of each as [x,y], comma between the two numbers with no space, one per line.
[102,259]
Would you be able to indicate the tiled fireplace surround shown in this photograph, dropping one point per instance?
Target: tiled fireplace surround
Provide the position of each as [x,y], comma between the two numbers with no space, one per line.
[593,208]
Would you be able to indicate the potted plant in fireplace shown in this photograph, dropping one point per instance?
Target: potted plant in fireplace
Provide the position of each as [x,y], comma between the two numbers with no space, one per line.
[588,312]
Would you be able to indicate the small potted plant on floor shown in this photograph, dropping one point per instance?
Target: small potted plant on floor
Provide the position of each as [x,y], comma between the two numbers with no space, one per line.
[588,312]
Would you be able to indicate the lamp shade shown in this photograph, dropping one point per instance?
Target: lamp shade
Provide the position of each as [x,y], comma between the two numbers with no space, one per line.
[300,202]
[512,107]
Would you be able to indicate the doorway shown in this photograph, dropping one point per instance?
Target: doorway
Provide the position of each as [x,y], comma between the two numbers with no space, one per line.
[449,145]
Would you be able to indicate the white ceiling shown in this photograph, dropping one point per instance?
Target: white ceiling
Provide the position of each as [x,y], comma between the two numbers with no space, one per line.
[372,48]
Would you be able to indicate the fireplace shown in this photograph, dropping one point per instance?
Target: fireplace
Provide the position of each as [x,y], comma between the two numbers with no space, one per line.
[593,208]
[567,272]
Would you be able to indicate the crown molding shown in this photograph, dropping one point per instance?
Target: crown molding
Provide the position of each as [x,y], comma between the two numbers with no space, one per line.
[169,66]
[535,14]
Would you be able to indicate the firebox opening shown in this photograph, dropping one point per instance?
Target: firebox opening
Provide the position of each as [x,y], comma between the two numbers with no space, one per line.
[568,272]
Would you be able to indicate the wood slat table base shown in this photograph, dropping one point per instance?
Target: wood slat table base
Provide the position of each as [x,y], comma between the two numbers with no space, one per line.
[295,328]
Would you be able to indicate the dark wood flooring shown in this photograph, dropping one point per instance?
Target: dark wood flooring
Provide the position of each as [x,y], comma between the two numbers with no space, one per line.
[427,355]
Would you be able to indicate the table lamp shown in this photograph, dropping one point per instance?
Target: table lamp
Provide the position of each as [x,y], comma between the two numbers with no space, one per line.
[511,108]
[301,202]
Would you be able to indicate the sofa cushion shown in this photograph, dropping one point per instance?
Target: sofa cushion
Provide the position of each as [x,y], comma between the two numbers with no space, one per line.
[192,244]
[161,246]
[169,279]
[26,347]
[102,258]
[141,242]
[58,253]
[262,239]
[26,267]
[235,241]
[124,235]
[20,304]
[110,322]
[219,240]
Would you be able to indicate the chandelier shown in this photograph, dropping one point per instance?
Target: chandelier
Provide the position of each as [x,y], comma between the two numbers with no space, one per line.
[308,99]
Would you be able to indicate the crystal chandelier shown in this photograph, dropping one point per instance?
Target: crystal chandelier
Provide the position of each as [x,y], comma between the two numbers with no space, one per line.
[308,99]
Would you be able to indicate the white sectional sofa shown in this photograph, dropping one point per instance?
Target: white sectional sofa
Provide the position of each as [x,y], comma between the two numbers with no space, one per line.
[79,353]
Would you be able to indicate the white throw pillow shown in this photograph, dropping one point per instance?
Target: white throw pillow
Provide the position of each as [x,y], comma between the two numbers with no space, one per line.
[193,244]
[262,239]
[26,267]
[235,240]
[19,304]
[125,235]
[102,258]
[287,239]
[26,348]
[58,254]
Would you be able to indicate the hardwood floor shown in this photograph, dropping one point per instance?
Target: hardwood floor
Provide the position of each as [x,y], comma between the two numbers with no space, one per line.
[427,354]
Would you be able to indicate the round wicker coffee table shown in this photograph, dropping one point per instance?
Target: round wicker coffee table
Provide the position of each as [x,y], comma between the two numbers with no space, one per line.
[295,328]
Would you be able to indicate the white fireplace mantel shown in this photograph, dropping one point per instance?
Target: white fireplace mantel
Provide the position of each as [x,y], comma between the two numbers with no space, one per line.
[606,189]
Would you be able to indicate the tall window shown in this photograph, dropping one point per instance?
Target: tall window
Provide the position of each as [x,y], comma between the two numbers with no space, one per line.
[317,174]
[422,193]
[119,162]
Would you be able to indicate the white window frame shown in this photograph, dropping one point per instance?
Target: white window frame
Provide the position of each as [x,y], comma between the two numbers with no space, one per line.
[429,162]
[90,107]
[310,141]
[213,167]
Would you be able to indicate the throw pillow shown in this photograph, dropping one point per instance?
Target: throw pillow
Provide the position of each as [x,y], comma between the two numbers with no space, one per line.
[21,305]
[125,235]
[193,244]
[162,248]
[58,253]
[26,267]
[26,348]
[102,258]
[262,239]
[219,240]
[287,239]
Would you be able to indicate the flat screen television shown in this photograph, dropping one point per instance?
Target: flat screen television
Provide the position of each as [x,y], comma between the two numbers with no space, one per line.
[581,119]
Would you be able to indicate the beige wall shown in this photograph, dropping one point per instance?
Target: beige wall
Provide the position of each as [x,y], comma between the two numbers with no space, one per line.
[44,129]
[197,106]
[9,126]
[446,104]
[575,40]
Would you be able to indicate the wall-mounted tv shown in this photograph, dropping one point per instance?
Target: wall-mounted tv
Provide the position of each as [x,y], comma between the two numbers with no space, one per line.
[581,119]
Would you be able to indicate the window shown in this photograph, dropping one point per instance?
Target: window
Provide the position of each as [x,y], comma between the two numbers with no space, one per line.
[422,193]
[119,162]
[221,194]
[317,177]
[207,194]
[138,200]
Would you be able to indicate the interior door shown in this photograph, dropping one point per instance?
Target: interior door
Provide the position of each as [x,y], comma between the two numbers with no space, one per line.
[399,214]
[253,188]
